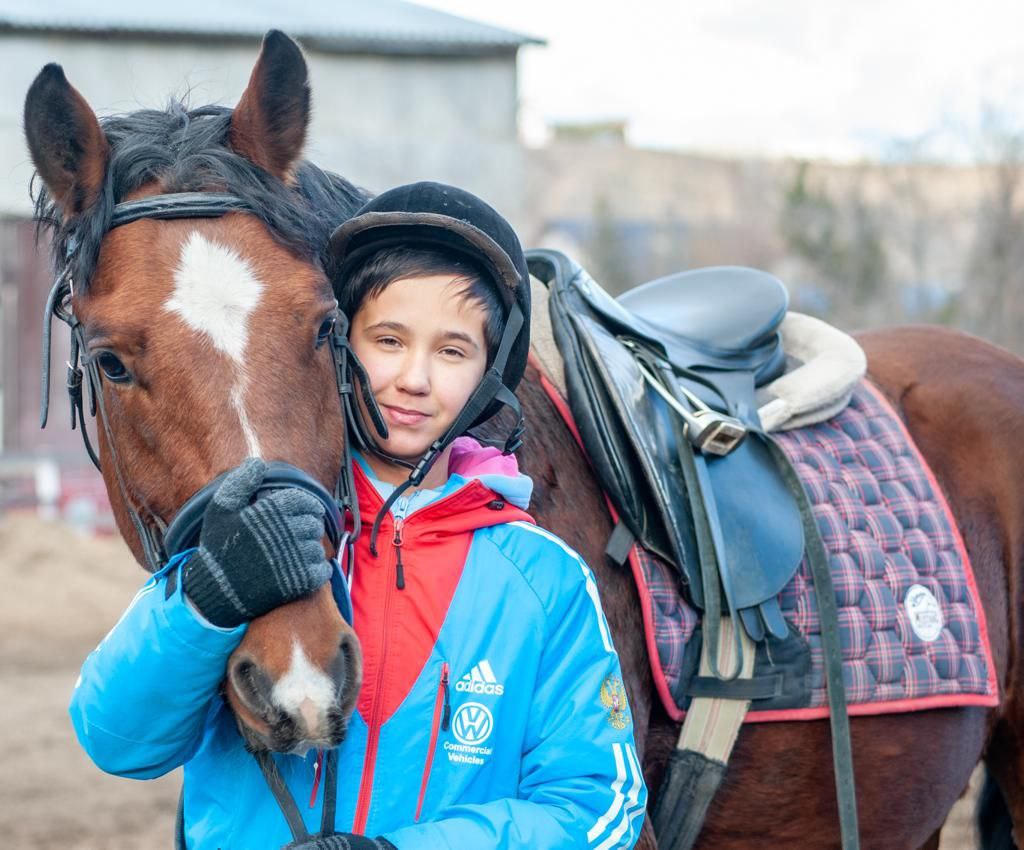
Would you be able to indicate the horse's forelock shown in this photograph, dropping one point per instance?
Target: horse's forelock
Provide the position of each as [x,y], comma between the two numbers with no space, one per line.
[185,151]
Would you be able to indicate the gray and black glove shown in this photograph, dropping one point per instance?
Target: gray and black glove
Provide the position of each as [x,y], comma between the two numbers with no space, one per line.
[255,556]
[341,841]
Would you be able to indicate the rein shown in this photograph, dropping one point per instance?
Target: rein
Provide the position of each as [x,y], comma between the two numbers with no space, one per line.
[160,540]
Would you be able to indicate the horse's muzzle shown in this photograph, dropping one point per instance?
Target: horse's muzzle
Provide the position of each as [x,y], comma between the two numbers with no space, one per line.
[295,701]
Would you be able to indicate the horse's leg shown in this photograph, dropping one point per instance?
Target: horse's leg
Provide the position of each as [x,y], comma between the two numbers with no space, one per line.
[995,826]
[1005,761]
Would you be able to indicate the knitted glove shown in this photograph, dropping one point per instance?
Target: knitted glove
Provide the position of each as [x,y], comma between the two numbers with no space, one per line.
[341,841]
[255,556]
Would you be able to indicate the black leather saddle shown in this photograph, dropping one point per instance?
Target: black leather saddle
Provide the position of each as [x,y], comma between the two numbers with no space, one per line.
[729,523]
[725,314]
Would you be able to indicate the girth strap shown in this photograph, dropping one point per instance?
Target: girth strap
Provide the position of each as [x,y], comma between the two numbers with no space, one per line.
[695,771]
[828,613]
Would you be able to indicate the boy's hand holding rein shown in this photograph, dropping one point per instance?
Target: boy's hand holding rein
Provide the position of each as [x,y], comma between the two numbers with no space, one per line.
[255,556]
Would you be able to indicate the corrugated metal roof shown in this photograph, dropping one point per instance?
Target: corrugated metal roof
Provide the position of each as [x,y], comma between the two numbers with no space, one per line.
[387,26]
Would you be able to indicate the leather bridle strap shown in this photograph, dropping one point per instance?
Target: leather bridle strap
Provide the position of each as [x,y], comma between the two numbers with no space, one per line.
[183,532]
[178,205]
[286,802]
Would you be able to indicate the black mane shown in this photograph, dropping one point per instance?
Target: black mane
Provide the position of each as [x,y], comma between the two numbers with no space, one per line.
[186,150]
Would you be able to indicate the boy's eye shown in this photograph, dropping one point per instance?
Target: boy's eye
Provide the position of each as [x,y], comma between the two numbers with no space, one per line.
[388,341]
[452,352]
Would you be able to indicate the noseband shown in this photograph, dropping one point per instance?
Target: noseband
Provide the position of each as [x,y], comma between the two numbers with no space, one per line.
[159,540]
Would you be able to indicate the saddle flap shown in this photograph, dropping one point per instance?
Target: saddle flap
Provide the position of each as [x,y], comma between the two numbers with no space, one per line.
[761,525]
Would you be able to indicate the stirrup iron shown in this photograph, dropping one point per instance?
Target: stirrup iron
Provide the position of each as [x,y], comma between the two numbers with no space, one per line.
[710,432]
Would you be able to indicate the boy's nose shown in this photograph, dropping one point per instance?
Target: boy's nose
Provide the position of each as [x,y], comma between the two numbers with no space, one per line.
[414,377]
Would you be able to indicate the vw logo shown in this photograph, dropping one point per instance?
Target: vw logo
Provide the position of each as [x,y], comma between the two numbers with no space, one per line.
[472,724]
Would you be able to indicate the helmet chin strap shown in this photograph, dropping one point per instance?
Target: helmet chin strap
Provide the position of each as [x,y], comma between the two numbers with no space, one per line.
[491,389]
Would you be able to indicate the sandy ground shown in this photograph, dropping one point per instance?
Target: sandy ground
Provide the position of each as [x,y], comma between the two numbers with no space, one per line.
[59,593]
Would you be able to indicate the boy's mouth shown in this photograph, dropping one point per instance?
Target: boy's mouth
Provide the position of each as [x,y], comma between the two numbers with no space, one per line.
[403,415]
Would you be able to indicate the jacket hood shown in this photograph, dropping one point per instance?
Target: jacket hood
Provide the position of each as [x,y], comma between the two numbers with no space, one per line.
[480,482]
[469,460]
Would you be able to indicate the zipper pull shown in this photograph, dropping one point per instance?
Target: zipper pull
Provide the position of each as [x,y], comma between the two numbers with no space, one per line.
[399,570]
[446,714]
[317,773]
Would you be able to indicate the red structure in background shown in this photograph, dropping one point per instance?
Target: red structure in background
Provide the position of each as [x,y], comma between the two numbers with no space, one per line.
[42,470]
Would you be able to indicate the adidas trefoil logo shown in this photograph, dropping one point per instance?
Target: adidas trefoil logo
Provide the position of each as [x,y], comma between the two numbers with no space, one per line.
[480,680]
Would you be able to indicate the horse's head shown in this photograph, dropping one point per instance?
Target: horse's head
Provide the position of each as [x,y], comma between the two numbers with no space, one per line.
[210,337]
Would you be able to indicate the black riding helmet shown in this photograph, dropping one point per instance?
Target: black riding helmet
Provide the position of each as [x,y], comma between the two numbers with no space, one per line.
[435,215]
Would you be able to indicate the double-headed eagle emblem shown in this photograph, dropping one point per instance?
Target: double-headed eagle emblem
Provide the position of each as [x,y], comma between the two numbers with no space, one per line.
[613,697]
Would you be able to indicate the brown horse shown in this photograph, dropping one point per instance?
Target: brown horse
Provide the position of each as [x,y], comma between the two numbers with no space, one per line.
[172,309]
[175,428]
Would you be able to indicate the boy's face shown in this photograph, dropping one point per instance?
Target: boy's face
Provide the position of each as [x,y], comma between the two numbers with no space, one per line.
[424,350]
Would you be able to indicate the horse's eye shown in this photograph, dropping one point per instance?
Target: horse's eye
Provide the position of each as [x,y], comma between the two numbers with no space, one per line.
[325,331]
[112,367]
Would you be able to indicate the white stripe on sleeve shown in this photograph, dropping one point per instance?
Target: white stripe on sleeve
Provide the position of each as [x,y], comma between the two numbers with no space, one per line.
[588,578]
[618,798]
[622,828]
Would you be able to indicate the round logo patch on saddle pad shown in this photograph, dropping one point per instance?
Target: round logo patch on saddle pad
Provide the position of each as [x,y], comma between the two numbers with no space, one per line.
[924,612]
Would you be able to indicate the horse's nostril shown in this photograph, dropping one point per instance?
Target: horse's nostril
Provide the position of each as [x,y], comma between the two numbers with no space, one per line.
[253,686]
[347,673]
[341,665]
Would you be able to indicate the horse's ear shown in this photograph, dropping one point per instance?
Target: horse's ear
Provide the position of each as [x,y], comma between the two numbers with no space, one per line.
[269,124]
[64,137]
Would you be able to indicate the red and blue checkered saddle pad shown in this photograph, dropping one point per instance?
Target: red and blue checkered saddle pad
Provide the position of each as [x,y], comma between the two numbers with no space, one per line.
[912,627]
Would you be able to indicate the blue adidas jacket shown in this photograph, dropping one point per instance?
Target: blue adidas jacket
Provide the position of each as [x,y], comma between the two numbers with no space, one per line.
[492,713]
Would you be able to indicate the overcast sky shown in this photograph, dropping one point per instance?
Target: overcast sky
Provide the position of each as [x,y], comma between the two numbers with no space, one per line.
[834,78]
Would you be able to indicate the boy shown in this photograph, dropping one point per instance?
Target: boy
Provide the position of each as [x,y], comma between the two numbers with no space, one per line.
[492,711]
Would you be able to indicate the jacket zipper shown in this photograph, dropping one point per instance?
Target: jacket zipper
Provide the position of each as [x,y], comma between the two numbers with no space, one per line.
[373,730]
[397,542]
[442,710]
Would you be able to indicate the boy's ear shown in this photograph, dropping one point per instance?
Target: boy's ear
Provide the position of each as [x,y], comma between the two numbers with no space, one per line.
[268,127]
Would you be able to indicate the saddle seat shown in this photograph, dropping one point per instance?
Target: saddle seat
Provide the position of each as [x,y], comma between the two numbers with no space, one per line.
[722,308]
[722,319]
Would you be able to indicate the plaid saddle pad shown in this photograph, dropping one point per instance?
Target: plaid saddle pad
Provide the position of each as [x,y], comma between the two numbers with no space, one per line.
[912,627]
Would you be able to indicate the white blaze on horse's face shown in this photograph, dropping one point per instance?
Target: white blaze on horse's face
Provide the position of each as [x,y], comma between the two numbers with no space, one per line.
[305,691]
[215,292]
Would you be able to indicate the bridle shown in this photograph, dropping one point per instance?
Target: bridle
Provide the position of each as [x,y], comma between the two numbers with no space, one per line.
[160,540]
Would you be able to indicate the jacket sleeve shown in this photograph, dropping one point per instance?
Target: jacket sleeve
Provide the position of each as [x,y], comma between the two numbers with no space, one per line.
[581,785]
[141,701]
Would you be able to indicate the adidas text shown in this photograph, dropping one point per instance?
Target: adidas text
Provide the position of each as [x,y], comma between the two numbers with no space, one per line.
[490,688]
[480,680]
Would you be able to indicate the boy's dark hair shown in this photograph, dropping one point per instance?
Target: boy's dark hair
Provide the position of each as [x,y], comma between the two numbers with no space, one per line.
[393,263]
